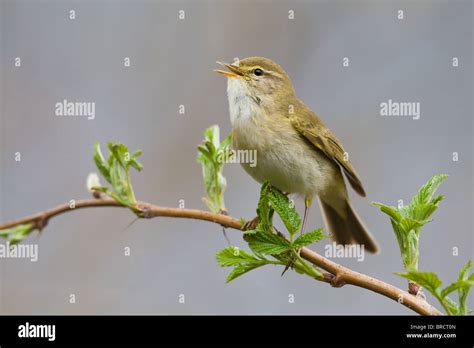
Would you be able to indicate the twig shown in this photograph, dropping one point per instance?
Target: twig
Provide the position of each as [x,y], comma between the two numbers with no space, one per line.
[337,275]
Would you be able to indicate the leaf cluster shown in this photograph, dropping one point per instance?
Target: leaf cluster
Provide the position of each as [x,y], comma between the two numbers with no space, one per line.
[408,220]
[115,170]
[212,154]
[17,233]
[264,241]
[432,283]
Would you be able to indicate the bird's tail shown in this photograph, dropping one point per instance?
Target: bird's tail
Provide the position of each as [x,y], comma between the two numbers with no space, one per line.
[347,229]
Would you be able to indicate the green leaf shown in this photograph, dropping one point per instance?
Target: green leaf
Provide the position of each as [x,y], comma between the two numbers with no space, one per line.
[428,280]
[464,272]
[267,243]
[100,162]
[211,155]
[204,155]
[119,184]
[119,151]
[425,194]
[232,256]
[389,210]
[309,238]
[134,162]
[408,224]
[463,286]
[242,261]
[432,283]
[212,135]
[285,209]
[17,233]
[264,241]
[451,307]
[407,221]
[422,211]
[264,211]
[226,142]
[459,285]
[242,269]
[116,171]
[463,291]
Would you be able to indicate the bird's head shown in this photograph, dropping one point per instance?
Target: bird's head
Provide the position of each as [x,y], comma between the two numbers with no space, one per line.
[258,78]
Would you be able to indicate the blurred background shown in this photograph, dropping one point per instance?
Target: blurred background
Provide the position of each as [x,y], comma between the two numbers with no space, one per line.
[82,253]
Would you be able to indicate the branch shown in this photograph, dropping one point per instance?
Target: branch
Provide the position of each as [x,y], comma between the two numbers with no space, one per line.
[337,275]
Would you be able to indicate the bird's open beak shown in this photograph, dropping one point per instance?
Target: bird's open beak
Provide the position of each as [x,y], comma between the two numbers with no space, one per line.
[233,70]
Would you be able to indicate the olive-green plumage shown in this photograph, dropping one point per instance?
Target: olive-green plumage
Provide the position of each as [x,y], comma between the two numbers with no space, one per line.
[295,150]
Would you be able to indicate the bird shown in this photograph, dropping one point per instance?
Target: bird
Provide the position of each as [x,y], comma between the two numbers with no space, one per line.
[296,152]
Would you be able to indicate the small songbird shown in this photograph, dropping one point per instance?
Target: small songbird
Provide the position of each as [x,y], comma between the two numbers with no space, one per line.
[295,151]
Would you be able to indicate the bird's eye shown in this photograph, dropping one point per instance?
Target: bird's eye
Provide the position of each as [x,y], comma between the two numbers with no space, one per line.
[258,72]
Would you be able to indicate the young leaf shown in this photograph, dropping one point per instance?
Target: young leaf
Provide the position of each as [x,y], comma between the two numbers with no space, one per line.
[389,210]
[242,269]
[225,144]
[432,283]
[17,233]
[100,162]
[119,151]
[242,261]
[463,291]
[211,155]
[118,183]
[407,221]
[232,256]
[264,241]
[287,212]
[204,153]
[116,171]
[425,194]
[428,280]
[450,306]
[267,243]
[134,162]
[309,238]
[264,211]
[459,285]
[212,135]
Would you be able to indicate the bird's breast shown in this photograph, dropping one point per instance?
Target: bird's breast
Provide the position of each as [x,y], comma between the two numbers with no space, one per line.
[242,106]
[283,157]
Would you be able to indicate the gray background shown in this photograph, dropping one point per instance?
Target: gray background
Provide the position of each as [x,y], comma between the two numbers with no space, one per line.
[172,62]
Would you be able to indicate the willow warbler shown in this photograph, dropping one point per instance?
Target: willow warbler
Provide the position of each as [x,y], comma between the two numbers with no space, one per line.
[295,151]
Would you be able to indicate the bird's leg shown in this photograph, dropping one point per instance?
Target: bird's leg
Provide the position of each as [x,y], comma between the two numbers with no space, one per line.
[307,205]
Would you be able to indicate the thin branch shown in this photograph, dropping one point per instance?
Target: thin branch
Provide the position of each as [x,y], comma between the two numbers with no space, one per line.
[337,275]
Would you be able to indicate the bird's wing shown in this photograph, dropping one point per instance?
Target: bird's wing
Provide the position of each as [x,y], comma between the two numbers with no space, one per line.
[311,127]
